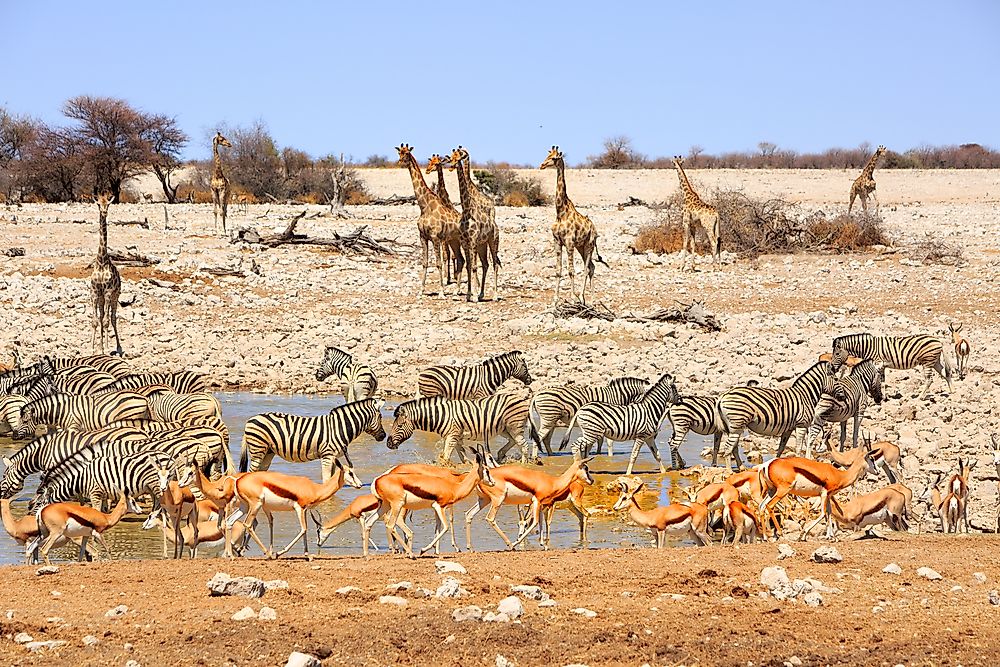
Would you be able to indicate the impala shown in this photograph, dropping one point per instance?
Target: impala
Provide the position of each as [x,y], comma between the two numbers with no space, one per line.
[689,518]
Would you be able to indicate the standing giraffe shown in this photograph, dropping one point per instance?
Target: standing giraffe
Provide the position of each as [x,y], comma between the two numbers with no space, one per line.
[453,249]
[105,285]
[697,212]
[864,184]
[220,184]
[434,219]
[480,234]
[573,231]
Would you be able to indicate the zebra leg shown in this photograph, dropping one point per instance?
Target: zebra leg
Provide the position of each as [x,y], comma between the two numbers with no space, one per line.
[734,448]
[928,377]
[843,432]
[676,440]
[636,446]
[651,443]
[716,443]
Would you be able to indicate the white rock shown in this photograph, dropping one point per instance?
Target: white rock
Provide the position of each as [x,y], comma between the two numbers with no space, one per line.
[928,573]
[451,588]
[399,586]
[979,577]
[296,659]
[503,661]
[449,567]
[583,611]
[23,638]
[511,606]
[120,610]
[244,614]
[267,614]
[39,646]
[892,568]
[785,551]
[530,592]
[91,640]
[393,599]
[827,554]
[813,599]
[275,585]
[468,613]
[345,590]
[547,603]
[132,663]
[47,569]
[994,597]
[490,617]
[774,577]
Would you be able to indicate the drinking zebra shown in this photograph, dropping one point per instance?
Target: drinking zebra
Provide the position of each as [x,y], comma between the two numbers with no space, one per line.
[476,381]
[357,381]
[847,398]
[899,352]
[301,439]
[639,422]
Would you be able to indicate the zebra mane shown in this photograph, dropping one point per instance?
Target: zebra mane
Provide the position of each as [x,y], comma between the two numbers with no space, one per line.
[500,358]
[849,338]
[626,381]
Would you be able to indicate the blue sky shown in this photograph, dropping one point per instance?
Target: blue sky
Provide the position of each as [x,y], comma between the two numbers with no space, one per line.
[508,79]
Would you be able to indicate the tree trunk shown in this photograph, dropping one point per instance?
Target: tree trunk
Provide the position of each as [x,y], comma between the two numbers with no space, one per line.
[169,191]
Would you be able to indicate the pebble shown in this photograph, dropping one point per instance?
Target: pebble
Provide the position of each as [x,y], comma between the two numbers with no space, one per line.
[503,661]
[399,586]
[774,577]
[449,567]
[244,614]
[994,597]
[547,603]
[132,663]
[813,599]
[120,610]
[128,647]
[500,617]
[345,590]
[10,614]
[794,661]
[451,588]
[530,592]
[511,606]
[47,569]
[393,599]
[892,568]
[785,551]
[267,614]
[23,638]
[979,577]
[296,659]
[827,554]
[877,610]
[38,646]
[583,611]
[90,640]
[928,573]
[468,613]
[275,585]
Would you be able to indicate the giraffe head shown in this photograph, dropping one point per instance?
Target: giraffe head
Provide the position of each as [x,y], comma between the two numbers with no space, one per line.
[457,156]
[219,140]
[405,154]
[880,150]
[678,161]
[435,162]
[555,156]
[103,202]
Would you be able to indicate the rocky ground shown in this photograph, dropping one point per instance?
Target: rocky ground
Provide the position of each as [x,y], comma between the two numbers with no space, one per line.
[927,600]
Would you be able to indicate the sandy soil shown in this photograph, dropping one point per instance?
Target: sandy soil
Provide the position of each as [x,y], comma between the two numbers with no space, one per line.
[682,606]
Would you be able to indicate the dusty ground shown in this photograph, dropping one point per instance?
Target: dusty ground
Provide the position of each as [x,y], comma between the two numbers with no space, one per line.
[681,606]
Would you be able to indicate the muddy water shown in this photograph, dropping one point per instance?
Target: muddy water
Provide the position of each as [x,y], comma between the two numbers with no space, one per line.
[128,540]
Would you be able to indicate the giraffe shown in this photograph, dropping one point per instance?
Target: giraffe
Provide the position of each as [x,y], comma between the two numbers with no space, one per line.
[695,212]
[572,231]
[479,231]
[220,184]
[453,249]
[105,285]
[864,184]
[435,217]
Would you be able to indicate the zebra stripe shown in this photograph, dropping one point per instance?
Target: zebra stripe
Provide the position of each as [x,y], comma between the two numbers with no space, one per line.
[484,418]
[90,381]
[83,413]
[772,412]
[639,421]
[105,477]
[10,417]
[168,406]
[477,381]
[557,405]
[694,413]
[183,382]
[357,381]
[102,362]
[847,398]
[152,426]
[300,439]
[899,352]
[31,387]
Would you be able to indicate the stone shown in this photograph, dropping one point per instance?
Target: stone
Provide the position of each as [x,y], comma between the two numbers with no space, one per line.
[44,646]
[468,613]
[267,614]
[994,598]
[423,592]
[892,568]
[399,586]
[275,585]
[511,606]
[47,569]
[132,663]
[583,611]
[91,640]
[296,659]
[928,573]
[813,599]
[794,661]
[393,600]
[128,647]
[451,588]
[774,577]
[347,590]
[120,610]
[785,551]
[530,592]
[23,638]
[449,567]
[979,577]
[827,554]
[248,587]
[547,603]
[503,661]
[244,614]
[490,617]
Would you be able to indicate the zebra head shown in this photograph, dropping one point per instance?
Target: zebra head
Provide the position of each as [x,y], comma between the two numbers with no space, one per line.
[520,369]
[374,426]
[402,427]
[627,487]
[28,418]
[875,390]
[10,485]
[334,362]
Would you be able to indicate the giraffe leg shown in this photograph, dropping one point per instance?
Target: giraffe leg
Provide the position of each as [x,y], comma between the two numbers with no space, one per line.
[851,204]
[484,264]
[423,281]
[440,251]
[112,307]
[470,261]
[571,270]
[559,254]
[225,207]
[875,197]
[98,318]
[495,254]
[216,198]
[587,255]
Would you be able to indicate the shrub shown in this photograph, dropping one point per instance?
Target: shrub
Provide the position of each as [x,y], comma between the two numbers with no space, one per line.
[505,186]
[618,154]
[932,250]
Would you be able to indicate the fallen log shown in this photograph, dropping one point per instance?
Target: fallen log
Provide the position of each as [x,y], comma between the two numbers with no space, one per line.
[357,242]
[129,258]
[687,313]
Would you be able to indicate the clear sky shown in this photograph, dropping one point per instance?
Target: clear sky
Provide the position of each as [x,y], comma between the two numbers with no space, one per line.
[507,79]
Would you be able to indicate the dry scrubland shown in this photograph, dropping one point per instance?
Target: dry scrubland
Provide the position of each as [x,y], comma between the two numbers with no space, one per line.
[266,331]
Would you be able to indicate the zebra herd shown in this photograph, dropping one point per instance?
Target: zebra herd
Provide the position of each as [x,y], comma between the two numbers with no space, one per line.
[111,431]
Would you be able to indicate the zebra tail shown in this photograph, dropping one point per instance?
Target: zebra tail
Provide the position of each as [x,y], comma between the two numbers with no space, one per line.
[533,432]
[569,429]
[244,463]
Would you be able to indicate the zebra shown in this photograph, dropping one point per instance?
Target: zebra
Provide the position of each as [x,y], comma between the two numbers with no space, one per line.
[357,381]
[701,415]
[79,384]
[557,405]
[45,453]
[153,426]
[168,406]
[899,352]
[846,398]
[300,439]
[10,417]
[477,381]
[83,413]
[102,362]
[772,412]
[183,382]
[483,418]
[639,422]
[104,477]
[199,445]
[31,387]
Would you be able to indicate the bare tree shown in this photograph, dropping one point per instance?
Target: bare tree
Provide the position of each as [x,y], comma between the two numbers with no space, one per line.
[618,154]
[53,165]
[16,134]
[166,141]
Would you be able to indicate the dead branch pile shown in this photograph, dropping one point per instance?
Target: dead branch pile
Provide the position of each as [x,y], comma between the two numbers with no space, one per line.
[129,258]
[356,242]
[14,252]
[688,313]
[393,200]
[932,250]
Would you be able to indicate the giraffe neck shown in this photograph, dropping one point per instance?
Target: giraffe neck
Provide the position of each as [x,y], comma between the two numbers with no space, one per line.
[870,167]
[685,183]
[102,238]
[420,189]
[562,199]
[464,186]
[217,161]
[442,190]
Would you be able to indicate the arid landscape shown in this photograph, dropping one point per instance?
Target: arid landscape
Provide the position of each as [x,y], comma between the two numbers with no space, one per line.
[264,328]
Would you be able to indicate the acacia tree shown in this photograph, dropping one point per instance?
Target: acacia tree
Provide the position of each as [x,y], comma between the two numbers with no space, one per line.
[16,134]
[618,154]
[53,165]
[166,141]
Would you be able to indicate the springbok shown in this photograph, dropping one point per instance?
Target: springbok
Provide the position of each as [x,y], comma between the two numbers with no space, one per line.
[362,508]
[885,506]
[688,518]
[209,534]
[740,521]
[276,492]
[72,520]
[884,455]
[958,486]
[948,507]
[962,348]
[220,494]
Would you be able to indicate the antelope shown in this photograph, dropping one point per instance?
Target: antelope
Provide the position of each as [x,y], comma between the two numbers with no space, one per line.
[884,454]
[689,518]
[276,492]
[24,531]
[177,502]
[363,508]
[958,486]
[400,491]
[885,506]
[739,520]
[220,494]
[962,348]
[515,485]
[948,507]
[716,496]
[72,520]
[807,478]
[209,534]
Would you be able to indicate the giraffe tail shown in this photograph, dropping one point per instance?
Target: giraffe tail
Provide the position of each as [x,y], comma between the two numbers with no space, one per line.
[597,255]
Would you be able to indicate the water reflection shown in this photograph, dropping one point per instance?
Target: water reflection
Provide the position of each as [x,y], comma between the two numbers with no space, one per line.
[128,540]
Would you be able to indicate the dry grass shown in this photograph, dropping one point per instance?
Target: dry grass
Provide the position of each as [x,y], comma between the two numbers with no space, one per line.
[932,250]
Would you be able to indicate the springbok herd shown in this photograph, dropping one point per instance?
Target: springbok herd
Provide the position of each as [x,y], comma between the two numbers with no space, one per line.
[113,436]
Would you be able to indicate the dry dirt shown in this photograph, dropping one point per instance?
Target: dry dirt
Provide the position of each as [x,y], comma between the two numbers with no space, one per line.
[682,606]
